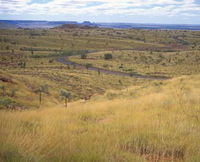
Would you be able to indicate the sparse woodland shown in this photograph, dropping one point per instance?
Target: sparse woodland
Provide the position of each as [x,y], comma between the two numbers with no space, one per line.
[50,111]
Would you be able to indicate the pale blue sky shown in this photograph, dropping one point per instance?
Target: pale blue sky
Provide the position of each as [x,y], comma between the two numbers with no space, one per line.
[134,11]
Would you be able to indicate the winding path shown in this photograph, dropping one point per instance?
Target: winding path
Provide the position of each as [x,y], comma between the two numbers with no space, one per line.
[65,60]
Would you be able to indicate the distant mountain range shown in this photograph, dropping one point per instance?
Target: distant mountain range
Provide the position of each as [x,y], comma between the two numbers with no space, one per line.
[5,24]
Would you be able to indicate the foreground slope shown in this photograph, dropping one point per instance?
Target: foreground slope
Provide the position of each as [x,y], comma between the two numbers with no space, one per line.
[159,121]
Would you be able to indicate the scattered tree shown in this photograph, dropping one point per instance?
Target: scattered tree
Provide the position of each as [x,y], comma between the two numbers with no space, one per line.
[11,59]
[3,90]
[108,56]
[83,56]
[32,52]
[88,66]
[7,47]
[40,90]
[121,66]
[51,60]
[99,72]
[22,64]
[65,95]
[13,92]
[120,82]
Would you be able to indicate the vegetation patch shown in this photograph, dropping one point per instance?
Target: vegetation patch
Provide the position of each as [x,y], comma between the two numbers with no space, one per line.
[8,103]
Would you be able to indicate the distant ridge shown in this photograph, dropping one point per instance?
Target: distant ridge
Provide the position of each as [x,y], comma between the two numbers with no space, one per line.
[53,24]
[73,26]
[151,26]
[4,25]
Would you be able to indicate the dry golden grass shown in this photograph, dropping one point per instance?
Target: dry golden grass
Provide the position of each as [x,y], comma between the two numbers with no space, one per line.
[146,62]
[157,122]
[151,121]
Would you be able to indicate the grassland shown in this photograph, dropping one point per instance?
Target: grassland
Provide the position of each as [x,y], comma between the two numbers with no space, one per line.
[170,64]
[158,122]
[125,118]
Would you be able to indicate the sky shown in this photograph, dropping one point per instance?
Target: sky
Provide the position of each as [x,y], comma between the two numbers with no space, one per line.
[129,11]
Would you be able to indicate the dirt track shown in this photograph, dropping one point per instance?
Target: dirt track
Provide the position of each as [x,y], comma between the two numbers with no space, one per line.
[65,60]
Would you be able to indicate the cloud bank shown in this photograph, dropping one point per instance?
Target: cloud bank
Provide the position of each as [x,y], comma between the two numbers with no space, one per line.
[169,8]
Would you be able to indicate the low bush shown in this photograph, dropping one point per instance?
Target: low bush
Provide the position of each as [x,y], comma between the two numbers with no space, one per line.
[6,102]
[108,56]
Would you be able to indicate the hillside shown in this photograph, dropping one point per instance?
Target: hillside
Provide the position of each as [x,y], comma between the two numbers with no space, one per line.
[153,122]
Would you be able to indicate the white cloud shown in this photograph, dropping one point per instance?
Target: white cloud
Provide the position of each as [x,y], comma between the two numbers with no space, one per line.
[99,7]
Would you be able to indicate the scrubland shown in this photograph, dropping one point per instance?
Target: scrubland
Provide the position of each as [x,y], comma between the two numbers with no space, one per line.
[109,118]
[170,64]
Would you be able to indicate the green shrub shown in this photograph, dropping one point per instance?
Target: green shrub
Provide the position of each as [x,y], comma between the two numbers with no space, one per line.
[108,56]
[65,95]
[13,92]
[6,102]
[88,65]
[51,60]
[83,56]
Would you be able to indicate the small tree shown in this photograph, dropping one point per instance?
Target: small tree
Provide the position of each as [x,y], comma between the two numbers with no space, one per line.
[51,60]
[7,47]
[40,90]
[3,90]
[121,66]
[108,56]
[11,59]
[83,56]
[13,92]
[65,95]
[22,64]
[88,66]
[99,72]
[120,82]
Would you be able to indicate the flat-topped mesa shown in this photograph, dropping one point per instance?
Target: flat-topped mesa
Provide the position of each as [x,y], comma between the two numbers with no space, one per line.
[76,26]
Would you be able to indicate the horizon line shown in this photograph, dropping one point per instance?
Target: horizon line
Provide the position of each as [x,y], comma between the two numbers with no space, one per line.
[99,22]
